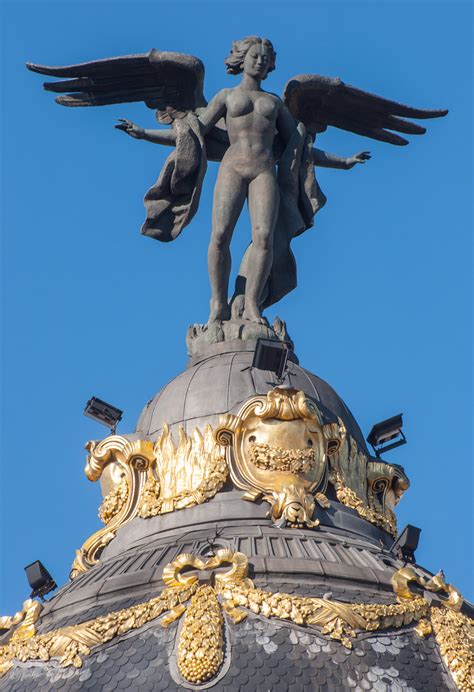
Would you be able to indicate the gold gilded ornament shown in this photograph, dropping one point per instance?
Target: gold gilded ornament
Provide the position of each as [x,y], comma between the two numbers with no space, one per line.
[278,451]
[201,638]
[406,575]
[372,488]
[348,497]
[70,644]
[20,627]
[114,501]
[386,486]
[184,475]
[340,621]
[142,478]
[454,631]
[201,642]
[454,634]
[423,628]
[121,464]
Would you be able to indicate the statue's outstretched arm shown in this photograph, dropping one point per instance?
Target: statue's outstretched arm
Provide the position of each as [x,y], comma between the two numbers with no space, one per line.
[327,160]
[166,137]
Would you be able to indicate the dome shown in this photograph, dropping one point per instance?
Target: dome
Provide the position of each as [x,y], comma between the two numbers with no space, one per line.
[221,380]
[315,600]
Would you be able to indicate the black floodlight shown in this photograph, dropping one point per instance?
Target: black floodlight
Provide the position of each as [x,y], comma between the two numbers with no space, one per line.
[39,579]
[381,436]
[103,413]
[406,544]
[271,355]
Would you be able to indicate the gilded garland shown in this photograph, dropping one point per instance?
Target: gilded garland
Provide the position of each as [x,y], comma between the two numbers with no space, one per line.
[201,638]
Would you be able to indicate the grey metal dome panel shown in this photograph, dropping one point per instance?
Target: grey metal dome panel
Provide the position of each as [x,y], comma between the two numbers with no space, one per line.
[222,383]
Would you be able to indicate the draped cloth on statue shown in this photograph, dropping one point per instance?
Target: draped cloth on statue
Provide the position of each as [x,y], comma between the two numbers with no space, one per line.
[173,200]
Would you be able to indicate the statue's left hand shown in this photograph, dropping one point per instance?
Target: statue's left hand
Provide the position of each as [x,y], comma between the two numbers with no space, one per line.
[130,128]
[361,157]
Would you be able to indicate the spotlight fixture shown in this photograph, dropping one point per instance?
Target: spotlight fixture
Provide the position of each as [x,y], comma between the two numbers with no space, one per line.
[104,413]
[382,433]
[271,355]
[39,579]
[406,544]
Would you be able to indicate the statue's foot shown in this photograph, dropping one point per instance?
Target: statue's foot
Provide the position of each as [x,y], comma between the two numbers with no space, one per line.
[252,313]
[219,312]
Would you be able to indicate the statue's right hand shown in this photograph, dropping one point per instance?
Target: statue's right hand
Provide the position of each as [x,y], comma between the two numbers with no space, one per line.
[130,128]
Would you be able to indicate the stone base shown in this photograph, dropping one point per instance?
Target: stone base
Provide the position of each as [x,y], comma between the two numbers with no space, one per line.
[200,336]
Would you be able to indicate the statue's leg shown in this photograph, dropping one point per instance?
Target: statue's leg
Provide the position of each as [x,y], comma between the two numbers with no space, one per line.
[229,196]
[264,198]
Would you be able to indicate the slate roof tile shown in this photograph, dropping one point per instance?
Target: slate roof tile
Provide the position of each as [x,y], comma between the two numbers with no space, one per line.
[263,656]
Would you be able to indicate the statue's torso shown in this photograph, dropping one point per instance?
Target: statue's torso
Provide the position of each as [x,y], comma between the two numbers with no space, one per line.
[251,125]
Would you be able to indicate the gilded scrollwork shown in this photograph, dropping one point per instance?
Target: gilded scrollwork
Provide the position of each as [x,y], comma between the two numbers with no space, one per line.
[386,485]
[371,488]
[116,459]
[70,644]
[282,449]
[405,576]
[142,478]
[278,451]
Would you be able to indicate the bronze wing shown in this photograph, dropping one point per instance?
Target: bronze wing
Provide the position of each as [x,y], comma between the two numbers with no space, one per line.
[171,83]
[319,101]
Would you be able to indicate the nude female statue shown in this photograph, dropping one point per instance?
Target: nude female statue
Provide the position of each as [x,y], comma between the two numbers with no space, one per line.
[247,171]
[265,149]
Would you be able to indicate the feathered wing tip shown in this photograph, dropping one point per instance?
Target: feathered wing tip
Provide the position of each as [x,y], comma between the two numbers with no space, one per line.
[319,101]
[166,81]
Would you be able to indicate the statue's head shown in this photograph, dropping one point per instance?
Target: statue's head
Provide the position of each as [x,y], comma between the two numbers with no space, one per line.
[253,55]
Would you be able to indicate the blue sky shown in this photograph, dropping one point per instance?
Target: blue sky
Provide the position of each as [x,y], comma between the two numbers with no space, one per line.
[384,304]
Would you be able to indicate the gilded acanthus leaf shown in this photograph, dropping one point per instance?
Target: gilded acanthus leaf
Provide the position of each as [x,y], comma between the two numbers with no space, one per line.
[349,498]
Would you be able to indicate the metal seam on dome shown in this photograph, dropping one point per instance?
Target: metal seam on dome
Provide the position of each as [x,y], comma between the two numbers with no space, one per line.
[229,375]
[155,400]
[311,383]
[196,370]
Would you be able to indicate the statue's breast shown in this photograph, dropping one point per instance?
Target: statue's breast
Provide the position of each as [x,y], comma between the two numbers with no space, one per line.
[239,104]
[266,106]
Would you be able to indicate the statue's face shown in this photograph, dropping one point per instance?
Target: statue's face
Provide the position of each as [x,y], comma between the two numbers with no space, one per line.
[257,61]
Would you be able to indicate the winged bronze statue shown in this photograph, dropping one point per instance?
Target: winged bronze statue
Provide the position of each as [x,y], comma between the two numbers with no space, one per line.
[264,143]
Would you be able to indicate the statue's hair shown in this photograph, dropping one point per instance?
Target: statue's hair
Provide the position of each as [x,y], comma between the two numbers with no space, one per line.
[235,61]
